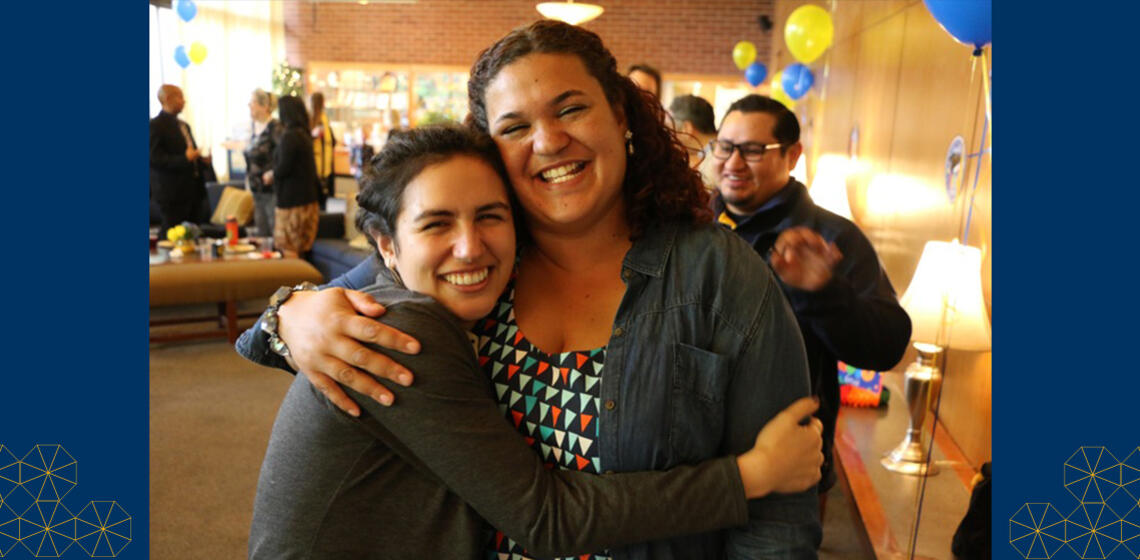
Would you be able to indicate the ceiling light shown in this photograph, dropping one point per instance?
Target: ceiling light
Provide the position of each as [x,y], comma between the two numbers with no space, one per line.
[569,11]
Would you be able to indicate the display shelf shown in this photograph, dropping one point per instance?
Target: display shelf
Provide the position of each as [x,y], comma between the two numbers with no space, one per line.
[370,98]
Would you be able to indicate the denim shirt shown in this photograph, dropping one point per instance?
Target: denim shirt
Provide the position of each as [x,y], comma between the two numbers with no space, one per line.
[704,352]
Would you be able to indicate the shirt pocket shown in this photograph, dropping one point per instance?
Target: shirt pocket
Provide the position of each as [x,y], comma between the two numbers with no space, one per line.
[700,380]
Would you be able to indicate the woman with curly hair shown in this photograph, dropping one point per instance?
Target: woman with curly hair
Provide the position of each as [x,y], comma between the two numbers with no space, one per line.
[445,454]
[634,335]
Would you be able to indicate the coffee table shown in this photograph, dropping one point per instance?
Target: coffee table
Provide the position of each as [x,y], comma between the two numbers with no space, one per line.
[226,280]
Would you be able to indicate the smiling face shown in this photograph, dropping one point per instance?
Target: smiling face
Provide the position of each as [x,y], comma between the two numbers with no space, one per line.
[562,142]
[743,185]
[455,239]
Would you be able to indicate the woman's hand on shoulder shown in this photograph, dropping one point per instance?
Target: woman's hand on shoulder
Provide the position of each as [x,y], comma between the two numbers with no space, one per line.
[787,455]
[326,331]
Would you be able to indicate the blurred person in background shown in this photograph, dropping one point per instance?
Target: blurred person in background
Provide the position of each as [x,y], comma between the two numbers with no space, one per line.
[178,171]
[828,270]
[647,78]
[294,176]
[323,144]
[696,128]
[259,159]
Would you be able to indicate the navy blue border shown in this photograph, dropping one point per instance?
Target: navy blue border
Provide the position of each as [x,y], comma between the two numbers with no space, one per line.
[75,207]
[1065,296]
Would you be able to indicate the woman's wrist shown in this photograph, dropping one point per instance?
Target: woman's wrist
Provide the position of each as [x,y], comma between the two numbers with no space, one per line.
[753,475]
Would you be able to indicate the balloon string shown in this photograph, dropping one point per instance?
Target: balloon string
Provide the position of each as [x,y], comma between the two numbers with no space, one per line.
[982,149]
[964,177]
[974,187]
[986,89]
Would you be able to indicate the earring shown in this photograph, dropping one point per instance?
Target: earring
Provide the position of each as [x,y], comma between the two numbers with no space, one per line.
[396,277]
[395,273]
[629,142]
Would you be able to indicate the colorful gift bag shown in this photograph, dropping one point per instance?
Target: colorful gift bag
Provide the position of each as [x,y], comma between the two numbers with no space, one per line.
[860,387]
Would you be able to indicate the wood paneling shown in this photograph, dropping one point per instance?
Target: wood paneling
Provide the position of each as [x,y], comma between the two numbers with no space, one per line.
[909,89]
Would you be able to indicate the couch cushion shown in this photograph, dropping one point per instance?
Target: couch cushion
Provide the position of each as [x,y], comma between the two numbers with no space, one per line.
[233,202]
[330,225]
[334,257]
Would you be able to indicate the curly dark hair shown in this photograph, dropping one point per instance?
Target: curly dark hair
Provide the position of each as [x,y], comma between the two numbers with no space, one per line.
[405,155]
[659,185]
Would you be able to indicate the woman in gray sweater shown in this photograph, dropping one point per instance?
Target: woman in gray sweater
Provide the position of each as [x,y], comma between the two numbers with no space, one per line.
[429,477]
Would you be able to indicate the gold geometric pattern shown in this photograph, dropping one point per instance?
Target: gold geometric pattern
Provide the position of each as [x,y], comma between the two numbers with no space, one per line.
[1037,531]
[32,513]
[1107,520]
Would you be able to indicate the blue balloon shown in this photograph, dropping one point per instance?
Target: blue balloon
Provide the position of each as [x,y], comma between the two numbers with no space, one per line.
[186,10]
[181,57]
[797,80]
[755,73]
[969,21]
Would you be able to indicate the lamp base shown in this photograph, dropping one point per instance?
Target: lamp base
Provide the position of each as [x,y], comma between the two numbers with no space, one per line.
[909,458]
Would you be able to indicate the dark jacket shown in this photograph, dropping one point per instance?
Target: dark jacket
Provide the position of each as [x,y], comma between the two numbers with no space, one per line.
[855,318]
[259,156]
[294,169]
[173,178]
[417,480]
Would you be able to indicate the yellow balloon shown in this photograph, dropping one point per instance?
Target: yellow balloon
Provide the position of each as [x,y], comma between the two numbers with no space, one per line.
[776,91]
[808,33]
[197,52]
[743,54]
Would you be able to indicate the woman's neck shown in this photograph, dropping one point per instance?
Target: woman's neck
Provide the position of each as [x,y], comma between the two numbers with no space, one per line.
[605,242]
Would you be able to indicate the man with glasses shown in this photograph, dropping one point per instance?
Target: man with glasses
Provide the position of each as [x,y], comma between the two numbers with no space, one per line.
[696,128]
[846,307]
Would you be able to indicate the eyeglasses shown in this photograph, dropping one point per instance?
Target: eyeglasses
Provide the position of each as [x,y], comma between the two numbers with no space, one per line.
[750,151]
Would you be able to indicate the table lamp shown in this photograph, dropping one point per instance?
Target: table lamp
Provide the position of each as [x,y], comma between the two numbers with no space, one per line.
[947,310]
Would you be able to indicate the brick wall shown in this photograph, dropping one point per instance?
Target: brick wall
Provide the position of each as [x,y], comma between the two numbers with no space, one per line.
[676,36]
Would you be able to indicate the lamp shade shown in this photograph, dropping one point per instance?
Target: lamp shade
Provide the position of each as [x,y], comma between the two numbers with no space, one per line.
[944,299]
[829,186]
[570,12]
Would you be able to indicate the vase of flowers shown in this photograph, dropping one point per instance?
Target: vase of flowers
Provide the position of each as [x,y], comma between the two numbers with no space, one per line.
[183,236]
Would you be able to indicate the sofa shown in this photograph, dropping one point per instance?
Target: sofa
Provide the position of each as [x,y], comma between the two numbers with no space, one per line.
[233,199]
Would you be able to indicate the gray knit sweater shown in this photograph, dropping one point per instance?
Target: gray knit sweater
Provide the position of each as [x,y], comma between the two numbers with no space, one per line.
[429,476]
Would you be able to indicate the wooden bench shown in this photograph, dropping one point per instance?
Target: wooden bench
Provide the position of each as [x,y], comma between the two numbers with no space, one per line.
[224,282]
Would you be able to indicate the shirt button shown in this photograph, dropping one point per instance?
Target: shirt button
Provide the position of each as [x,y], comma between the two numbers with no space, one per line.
[625,274]
[610,404]
[617,331]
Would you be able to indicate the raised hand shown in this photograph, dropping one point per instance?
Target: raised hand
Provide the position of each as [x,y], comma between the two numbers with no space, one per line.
[326,331]
[803,259]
